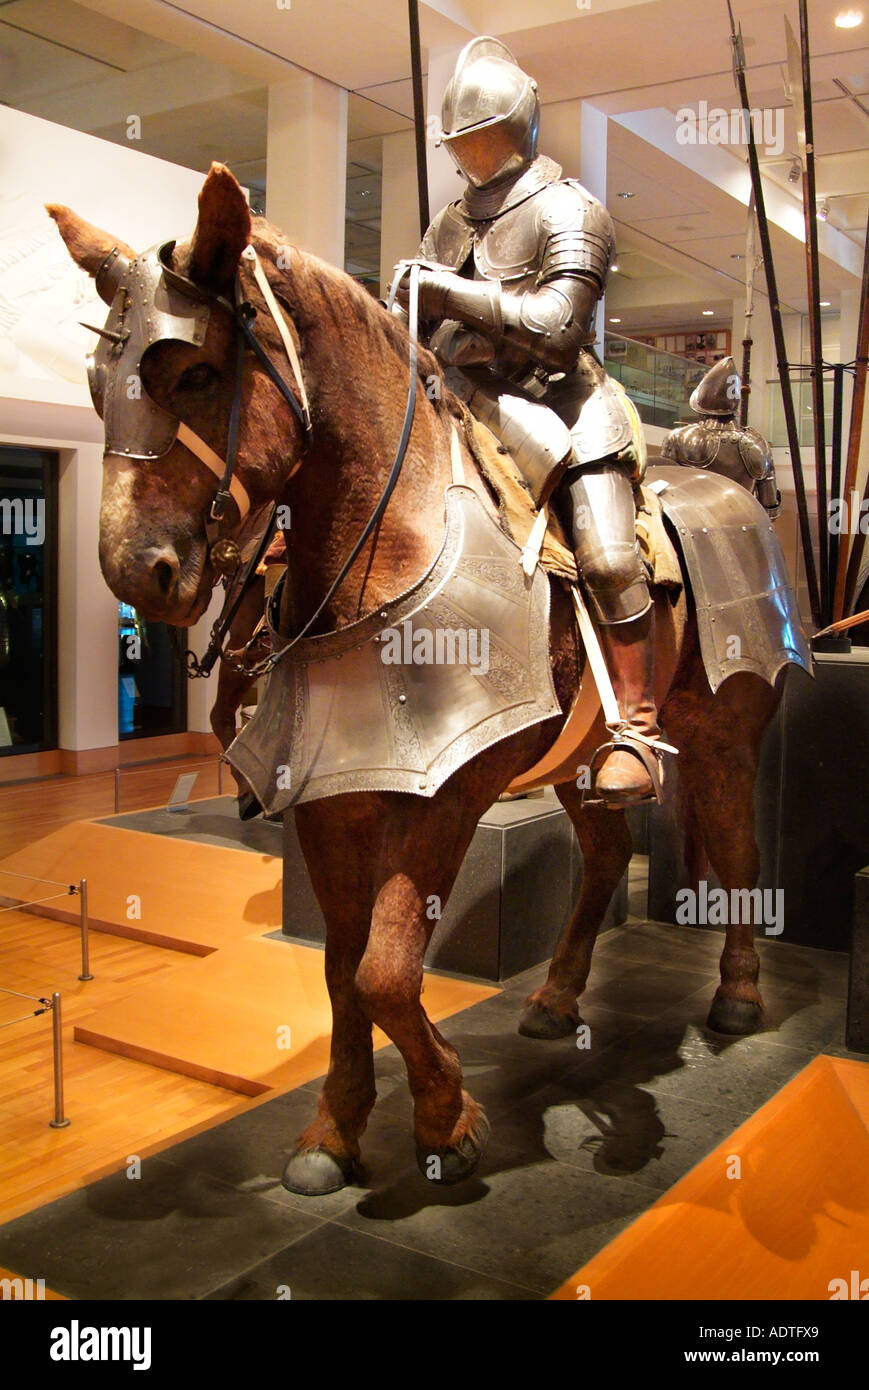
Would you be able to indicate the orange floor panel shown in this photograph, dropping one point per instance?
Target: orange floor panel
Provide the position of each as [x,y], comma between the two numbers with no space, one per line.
[192,897]
[778,1211]
[253,1017]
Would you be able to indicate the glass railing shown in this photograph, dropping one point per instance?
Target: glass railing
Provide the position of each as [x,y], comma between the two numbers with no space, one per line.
[659,383]
[802,391]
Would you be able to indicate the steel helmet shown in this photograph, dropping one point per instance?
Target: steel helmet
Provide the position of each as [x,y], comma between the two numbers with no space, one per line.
[719,391]
[490,114]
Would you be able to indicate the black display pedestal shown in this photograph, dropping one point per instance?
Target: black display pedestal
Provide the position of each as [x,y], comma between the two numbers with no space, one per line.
[857,1025]
[812,806]
[511,900]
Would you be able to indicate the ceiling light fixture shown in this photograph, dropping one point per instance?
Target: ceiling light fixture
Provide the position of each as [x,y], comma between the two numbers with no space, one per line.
[823,211]
[707,313]
[795,172]
[737,256]
[615,320]
[614,266]
[825,304]
[627,195]
[848,19]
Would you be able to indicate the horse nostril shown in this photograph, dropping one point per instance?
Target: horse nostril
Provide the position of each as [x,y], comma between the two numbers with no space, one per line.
[165,573]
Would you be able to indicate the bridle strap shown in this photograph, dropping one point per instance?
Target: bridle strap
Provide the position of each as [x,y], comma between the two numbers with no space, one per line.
[237,491]
[235,592]
[410,409]
[277,314]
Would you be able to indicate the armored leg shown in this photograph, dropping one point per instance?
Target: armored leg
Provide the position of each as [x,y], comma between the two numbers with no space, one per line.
[602,524]
[538,441]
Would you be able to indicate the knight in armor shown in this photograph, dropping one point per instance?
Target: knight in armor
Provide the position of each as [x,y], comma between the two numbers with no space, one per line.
[511,276]
[718,443]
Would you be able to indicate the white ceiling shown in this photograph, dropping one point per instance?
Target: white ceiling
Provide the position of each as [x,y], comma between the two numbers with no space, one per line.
[199,71]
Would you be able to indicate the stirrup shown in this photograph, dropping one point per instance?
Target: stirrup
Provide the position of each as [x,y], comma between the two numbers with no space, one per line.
[648,750]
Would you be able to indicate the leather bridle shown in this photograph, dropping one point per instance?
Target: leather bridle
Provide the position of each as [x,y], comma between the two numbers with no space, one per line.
[223,551]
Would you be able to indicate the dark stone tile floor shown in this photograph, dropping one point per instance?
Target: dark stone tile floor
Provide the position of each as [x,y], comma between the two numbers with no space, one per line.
[583,1141]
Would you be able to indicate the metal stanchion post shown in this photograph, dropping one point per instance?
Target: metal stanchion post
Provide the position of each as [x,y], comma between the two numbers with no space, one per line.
[60,1121]
[85,952]
[117,791]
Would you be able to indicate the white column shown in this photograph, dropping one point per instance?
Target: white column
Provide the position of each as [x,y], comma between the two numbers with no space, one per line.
[399,223]
[202,692]
[306,164]
[87,613]
[444,183]
[593,144]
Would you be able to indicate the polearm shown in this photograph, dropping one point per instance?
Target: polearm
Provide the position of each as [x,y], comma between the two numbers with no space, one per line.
[777,327]
[799,67]
[750,256]
[418,116]
[848,567]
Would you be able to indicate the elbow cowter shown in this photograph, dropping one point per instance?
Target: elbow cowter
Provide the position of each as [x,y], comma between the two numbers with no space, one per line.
[551,323]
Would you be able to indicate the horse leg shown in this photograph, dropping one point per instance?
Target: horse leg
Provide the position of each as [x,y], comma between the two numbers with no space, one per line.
[327,1154]
[551,1011]
[719,741]
[422,848]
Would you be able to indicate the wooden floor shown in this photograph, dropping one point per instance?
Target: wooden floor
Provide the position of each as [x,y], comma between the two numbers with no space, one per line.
[37,1163]
[30,810]
[120,1105]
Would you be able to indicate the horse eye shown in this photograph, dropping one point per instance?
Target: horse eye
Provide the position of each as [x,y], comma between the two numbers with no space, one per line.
[197,378]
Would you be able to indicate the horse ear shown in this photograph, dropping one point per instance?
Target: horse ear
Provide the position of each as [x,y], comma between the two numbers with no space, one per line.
[222,231]
[87,245]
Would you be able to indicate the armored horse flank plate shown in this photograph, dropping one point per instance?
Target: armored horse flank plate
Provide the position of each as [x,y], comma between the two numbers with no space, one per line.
[747,614]
[405,697]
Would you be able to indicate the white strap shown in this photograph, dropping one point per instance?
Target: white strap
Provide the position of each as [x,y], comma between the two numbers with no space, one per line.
[277,314]
[595,659]
[206,455]
[611,714]
[531,552]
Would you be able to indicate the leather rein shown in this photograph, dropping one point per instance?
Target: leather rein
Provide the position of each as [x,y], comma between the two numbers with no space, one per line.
[223,551]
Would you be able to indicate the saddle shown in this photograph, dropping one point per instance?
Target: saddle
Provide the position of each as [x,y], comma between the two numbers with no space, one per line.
[518,514]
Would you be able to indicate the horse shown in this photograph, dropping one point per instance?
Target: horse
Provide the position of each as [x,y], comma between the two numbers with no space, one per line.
[375,859]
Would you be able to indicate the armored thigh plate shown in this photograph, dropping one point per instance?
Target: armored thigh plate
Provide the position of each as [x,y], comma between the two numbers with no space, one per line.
[405,697]
[747,614]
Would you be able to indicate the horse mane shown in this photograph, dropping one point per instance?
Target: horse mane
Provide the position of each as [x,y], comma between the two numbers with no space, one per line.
[332,291]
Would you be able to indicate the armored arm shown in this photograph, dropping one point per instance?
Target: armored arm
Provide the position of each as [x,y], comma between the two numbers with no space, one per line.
[550,324]
[569,236]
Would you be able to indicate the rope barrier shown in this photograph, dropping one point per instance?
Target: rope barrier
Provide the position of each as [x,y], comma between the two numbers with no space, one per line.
[25,1017]
[50,1006]
[34,878]
[32,902]
[80,891]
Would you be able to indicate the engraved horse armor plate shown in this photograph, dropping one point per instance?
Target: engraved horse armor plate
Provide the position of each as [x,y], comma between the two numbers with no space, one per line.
[747,614]
[403,698]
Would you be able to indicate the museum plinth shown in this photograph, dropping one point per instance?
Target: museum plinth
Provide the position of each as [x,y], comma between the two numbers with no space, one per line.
[811,806]
[511,900]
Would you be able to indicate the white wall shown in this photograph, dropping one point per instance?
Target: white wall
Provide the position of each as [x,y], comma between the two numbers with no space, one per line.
[142,200]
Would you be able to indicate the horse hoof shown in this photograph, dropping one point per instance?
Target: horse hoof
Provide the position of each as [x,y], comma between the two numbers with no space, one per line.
[448,1166]
[248,806]
[314,1172]
[734,1016]
[536,1021]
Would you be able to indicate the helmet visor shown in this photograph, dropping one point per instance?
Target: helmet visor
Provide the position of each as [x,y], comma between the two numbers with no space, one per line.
[485,152]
